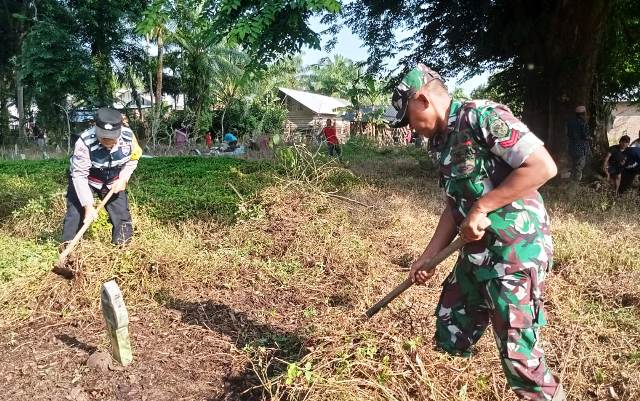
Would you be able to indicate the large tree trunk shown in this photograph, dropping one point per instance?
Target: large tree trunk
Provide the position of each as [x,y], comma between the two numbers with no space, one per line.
[560,72]
[101,51]
[159,70]
[20,105]
[4,109]
[103,75]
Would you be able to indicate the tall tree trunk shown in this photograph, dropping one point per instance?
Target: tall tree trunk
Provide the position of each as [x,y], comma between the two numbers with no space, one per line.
[157,107]
[4,109]
[152,94]
[20,104]
[560,74]
[224,111]
[150,74]
[103,65]
[101,52]
[159,70]
[601,120]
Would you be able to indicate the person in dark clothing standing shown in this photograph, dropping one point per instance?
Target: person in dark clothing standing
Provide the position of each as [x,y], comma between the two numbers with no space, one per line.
[39,135]
[631,168]
[614,162]
[578,133]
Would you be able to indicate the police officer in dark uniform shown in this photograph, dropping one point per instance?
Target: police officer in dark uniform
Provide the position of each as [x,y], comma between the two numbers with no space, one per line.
[104,158]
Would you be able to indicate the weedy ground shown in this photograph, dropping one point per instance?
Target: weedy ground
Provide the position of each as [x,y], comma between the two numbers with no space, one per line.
[249,280]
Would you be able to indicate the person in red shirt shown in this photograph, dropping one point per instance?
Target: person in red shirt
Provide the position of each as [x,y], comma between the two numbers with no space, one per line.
[208,140]
[332,139]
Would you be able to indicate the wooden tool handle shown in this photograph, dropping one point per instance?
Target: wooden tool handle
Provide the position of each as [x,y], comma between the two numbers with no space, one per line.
[85,227]
[433,262]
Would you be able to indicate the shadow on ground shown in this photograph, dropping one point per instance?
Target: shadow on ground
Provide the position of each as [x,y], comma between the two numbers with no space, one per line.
[73,342]
[270,348]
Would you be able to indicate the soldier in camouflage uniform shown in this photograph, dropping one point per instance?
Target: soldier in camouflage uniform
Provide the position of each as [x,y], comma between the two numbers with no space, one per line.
[491,166]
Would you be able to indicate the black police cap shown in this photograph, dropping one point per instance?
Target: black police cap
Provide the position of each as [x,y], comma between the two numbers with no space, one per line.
[108,123]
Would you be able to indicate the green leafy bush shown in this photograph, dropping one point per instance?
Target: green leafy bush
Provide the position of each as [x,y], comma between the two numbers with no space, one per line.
[251,118]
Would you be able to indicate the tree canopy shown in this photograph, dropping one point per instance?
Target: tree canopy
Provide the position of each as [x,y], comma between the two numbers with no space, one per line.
[552,55]
[546,56]
[59,50]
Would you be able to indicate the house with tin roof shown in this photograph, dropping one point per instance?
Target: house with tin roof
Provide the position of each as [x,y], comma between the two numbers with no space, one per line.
[308,112]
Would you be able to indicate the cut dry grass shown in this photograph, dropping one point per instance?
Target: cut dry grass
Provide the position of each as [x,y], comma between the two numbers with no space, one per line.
[277,295]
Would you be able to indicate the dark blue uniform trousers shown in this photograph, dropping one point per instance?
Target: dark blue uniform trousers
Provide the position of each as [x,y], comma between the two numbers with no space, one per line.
[117,208]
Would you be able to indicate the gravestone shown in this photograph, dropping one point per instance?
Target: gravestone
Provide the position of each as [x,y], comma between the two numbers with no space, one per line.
[117,319]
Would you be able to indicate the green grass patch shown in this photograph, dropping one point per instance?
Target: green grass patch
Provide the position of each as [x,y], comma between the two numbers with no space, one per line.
[594,313]
[20,258]
[360,148]
[168,188]
[634,357]
[22,181]
[182,187]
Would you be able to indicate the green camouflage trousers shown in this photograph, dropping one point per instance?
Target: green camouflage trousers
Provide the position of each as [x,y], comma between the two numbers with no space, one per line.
[512,303]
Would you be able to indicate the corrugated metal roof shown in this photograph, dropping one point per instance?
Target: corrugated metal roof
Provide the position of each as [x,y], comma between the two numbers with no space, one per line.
[317,103]
[388,115]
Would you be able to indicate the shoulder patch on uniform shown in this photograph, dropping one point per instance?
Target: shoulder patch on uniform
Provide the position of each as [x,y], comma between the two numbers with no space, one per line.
[498,127]
[128,134]
[89,137]
[87,133]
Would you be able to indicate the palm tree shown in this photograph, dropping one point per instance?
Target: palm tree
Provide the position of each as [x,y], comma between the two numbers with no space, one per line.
[154,26]
[231,79]
[286,72]
[196,54]
[332,77]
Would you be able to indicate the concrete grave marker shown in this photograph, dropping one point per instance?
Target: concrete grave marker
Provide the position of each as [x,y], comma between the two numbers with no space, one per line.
[117,319]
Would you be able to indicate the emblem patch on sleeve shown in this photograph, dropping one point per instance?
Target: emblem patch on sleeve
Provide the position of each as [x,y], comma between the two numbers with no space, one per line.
[498,127]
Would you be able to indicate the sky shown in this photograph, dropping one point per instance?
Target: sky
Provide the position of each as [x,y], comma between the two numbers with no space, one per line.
[350,46]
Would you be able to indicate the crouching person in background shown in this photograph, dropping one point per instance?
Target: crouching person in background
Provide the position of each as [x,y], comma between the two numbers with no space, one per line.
[104,158]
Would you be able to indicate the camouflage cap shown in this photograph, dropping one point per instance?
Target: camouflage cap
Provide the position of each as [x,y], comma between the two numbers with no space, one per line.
[420,76]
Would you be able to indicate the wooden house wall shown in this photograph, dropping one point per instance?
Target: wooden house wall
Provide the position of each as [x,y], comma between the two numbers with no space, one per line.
[301,120]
